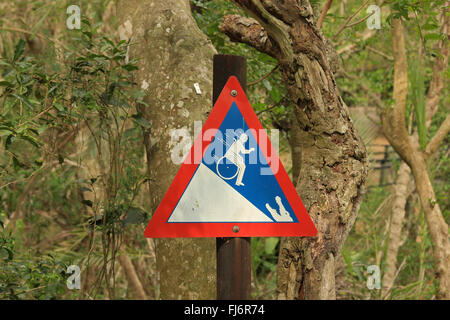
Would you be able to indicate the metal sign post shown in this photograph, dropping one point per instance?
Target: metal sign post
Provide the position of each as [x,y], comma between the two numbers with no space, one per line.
[233,254]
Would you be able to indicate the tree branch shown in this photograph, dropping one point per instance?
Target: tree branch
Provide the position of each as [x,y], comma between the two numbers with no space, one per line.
[394,123]
[440,135]
[249,31]
[440,65]
[132,277]
[381,53]
[263,77]
[41,36]
[275,18]
[348,20]
[318,111]
[351,48]
[395,131]
[360,21]
[323,14]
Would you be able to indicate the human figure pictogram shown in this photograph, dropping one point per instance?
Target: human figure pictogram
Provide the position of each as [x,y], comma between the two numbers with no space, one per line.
[233,155]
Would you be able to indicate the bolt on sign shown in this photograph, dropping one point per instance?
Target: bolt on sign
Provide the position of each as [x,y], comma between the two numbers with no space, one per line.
[232,183]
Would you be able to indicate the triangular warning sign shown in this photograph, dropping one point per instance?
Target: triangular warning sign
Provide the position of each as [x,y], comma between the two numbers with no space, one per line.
[232,183]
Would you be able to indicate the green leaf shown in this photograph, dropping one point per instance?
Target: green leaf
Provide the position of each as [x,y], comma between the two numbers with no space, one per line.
[24,100]
[58,106]
[5,128]
[8,141]
[108,41]
[39,23]
[138,94]
[19,49]
[87,34]
[6,254]
[86,22]
[433,36]
[5,84]
[30,139]
[134,216]
[275,94]
[17,164]
[130,67]
[270,245]
[429,26]
[141,121]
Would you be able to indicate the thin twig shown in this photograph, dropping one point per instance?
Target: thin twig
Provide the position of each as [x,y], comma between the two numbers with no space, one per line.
[379,103]
[267,109]
[360,21]
[36,116]
[349,19]
[281,102]
[324,13]
[31,290]
[384,55]
[439,137]
[40,36]
[388,291]
[264,77]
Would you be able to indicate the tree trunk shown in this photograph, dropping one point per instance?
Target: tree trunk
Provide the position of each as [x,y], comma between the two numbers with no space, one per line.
[402,189]
[405,185]
[131,276]
[436,224]
[334,158]
[394,128]
[296,149]
[174,55]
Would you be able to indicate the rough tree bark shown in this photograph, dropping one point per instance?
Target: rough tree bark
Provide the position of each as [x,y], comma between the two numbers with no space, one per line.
[394,128]
[174,55]
[334,158]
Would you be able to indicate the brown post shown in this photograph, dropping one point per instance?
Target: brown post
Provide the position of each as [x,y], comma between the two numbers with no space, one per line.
[233,254]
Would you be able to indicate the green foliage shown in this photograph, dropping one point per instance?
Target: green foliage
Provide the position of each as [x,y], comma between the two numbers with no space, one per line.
[45,100]
[368,240]
[264,264]
[440,166]
[268,96]
[428,28]
[54,212]
[94,87]
[25,276]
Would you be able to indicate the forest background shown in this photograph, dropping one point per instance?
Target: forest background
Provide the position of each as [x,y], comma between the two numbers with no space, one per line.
[75,178]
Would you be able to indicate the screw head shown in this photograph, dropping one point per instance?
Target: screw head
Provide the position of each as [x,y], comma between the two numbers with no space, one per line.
[233,93]
[235,229]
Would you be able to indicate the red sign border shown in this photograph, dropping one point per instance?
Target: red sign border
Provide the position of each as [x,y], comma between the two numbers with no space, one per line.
[158,226]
